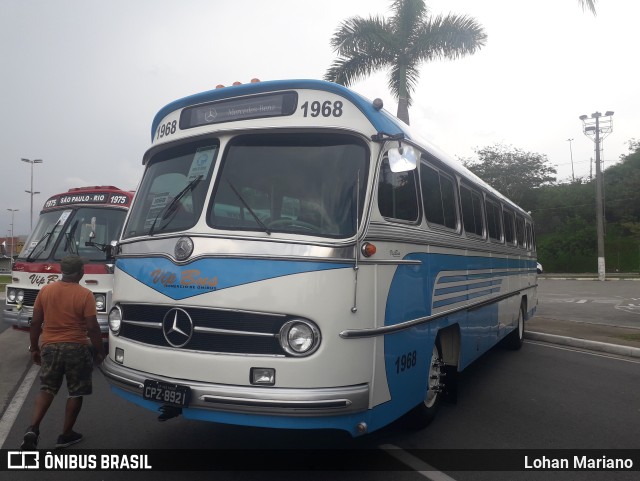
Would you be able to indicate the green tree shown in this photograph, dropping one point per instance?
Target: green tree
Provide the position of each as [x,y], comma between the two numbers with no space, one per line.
[510,170]
[401,43]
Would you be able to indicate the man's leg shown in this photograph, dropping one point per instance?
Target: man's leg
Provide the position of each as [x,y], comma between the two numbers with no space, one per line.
[72,409]
[43,401]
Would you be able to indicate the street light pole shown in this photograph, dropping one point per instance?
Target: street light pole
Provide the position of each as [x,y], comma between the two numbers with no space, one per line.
[599,126]
[31,192]
[573,177]
[13,211]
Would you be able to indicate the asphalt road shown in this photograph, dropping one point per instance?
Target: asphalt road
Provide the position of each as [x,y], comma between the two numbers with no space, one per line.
[541,397]
[615,303]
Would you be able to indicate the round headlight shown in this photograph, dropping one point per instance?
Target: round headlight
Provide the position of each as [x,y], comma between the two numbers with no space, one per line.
[100,301]
[11,295]
[299,338]
[20,296]
[115,320]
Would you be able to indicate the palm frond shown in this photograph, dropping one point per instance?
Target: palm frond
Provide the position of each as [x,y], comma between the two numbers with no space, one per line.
[358,34]
[408,15]
[448,37]
[590,4]
[347,70]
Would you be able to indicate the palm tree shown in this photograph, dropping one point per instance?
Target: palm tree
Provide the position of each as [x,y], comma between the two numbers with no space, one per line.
[401,43]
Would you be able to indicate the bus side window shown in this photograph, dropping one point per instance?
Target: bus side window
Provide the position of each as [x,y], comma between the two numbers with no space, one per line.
[509,229]
[438,197]
[529,233]
[471,203]
[397,194]
[520,234]
[494,225]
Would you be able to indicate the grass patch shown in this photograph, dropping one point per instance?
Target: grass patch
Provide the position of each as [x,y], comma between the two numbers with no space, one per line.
[631,337]
[4,280]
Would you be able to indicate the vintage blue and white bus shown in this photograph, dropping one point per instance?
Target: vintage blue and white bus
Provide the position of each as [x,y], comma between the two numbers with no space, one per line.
[297,257]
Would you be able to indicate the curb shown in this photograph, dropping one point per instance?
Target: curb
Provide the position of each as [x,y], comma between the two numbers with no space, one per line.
[617,349]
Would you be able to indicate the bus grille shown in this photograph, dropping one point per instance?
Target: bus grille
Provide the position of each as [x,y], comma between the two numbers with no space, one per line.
[143,323]
[30,297]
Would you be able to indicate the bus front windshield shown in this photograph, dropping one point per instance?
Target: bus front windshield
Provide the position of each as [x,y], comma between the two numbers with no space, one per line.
[84,231]
[172,192]
[300,183]
[297,183]
[42,240]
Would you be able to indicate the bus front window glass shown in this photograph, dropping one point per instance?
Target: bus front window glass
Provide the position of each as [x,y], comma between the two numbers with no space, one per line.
[292,183]
[43,239]
[172,192]
[104,223]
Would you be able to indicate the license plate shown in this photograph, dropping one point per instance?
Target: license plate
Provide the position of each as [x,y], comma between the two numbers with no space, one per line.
[166,393]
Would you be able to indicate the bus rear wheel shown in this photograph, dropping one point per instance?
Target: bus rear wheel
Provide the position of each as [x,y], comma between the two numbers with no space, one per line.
[422,415]
[515,338]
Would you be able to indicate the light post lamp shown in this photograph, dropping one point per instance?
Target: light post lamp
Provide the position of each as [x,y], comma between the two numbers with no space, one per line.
[573,177]
[31,192]
[13,211]
[598,127]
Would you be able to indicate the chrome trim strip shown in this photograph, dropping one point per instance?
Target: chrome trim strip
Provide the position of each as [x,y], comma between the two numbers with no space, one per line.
[379,331]
[155,325]
[228,332]
[259,400]
[330,403]
[214,308]
[124,380]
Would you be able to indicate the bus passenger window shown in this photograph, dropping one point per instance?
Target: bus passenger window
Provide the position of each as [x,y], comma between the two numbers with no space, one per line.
[494,226]
[438,197]
[471,202]
[520,232]
[397,195]
[509,232]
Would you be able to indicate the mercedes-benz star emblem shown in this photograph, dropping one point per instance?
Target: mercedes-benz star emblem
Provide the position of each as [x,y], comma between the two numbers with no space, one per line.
[211,115]
[183,248]
[177,327]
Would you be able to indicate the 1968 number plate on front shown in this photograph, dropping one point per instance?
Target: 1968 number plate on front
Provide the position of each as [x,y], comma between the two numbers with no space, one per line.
[166,393]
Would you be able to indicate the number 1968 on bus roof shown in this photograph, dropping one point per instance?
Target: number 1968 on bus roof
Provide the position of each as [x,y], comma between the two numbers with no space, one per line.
[270,104]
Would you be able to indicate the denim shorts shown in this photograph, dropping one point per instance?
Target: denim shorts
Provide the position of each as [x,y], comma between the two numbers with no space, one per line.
[66,359]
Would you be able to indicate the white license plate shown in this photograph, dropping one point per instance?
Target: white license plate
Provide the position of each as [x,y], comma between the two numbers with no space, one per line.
[166,393]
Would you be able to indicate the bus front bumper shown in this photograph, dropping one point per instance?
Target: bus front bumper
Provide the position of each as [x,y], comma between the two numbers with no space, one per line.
[249,399]
[21,318]
[18,318]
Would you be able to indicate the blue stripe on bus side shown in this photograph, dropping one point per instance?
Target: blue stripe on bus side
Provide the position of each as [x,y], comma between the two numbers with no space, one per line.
[408,353]
[207,275]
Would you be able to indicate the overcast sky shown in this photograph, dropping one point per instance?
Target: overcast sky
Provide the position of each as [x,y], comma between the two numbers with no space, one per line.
[82,79]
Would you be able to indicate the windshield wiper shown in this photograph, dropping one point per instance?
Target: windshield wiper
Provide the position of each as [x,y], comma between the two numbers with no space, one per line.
[253,214]
[69,238]
[47,236]
[173,205]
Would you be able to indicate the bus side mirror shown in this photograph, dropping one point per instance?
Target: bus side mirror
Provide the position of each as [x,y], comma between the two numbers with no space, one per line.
[111,250]
[403,158]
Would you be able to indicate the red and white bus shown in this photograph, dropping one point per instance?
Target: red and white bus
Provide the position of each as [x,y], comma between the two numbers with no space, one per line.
[81,221]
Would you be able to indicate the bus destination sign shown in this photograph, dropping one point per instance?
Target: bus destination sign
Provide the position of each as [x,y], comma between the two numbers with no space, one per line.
[255,107]
[108,198]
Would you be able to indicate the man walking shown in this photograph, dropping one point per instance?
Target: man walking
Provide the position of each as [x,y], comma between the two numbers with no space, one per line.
[64,315]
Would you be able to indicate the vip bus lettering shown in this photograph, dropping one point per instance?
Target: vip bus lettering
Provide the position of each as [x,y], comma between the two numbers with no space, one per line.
[192,277]
[188,278]
[41,280]
[163,277]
